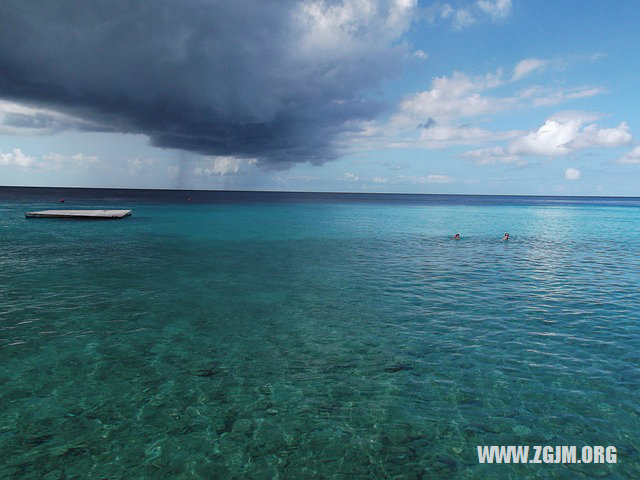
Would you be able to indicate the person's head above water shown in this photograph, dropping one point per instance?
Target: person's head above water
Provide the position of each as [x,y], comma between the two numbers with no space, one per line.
[506,236]
[456,236]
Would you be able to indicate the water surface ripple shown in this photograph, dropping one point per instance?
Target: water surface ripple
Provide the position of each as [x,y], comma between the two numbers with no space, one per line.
[317,339]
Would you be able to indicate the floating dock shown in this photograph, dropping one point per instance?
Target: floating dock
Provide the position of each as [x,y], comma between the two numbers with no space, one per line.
[84,214]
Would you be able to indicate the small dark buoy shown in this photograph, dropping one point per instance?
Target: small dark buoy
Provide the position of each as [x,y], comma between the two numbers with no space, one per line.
[62,200]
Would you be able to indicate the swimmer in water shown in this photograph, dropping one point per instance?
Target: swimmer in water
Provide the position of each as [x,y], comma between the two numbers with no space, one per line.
[456,236]
[506,236]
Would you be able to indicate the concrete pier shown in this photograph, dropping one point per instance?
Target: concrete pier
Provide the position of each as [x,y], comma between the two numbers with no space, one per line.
[86,214]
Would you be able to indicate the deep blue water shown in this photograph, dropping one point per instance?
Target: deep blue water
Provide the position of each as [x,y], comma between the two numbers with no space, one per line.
[295,335]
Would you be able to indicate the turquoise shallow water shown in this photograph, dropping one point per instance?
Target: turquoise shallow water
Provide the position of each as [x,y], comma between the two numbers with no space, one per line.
[312,337]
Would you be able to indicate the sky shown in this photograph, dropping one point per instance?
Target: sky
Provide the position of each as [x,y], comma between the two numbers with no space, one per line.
[404,96]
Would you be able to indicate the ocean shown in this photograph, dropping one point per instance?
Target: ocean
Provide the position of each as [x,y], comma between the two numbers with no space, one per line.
[264,335]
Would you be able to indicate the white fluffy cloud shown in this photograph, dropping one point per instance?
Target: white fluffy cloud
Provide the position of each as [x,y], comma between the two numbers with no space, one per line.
[572,174]
[50,161]
[491,155]
[469,14]
[559,96]
[455,109]
[631,157]
[560,135]
[462,18]
[459,97]
[497,9]
[452,97]
[223,165]
[337,29]
[421,54]
[528,66]
[593,136]
[16,158]
[550,139]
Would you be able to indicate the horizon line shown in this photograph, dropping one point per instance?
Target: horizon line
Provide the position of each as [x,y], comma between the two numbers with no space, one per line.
[327,192]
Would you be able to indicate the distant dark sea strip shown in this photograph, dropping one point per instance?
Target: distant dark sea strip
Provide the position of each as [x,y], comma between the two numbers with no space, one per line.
[117,195]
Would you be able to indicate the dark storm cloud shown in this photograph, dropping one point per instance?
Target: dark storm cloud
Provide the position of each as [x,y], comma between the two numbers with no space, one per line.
[276,80]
